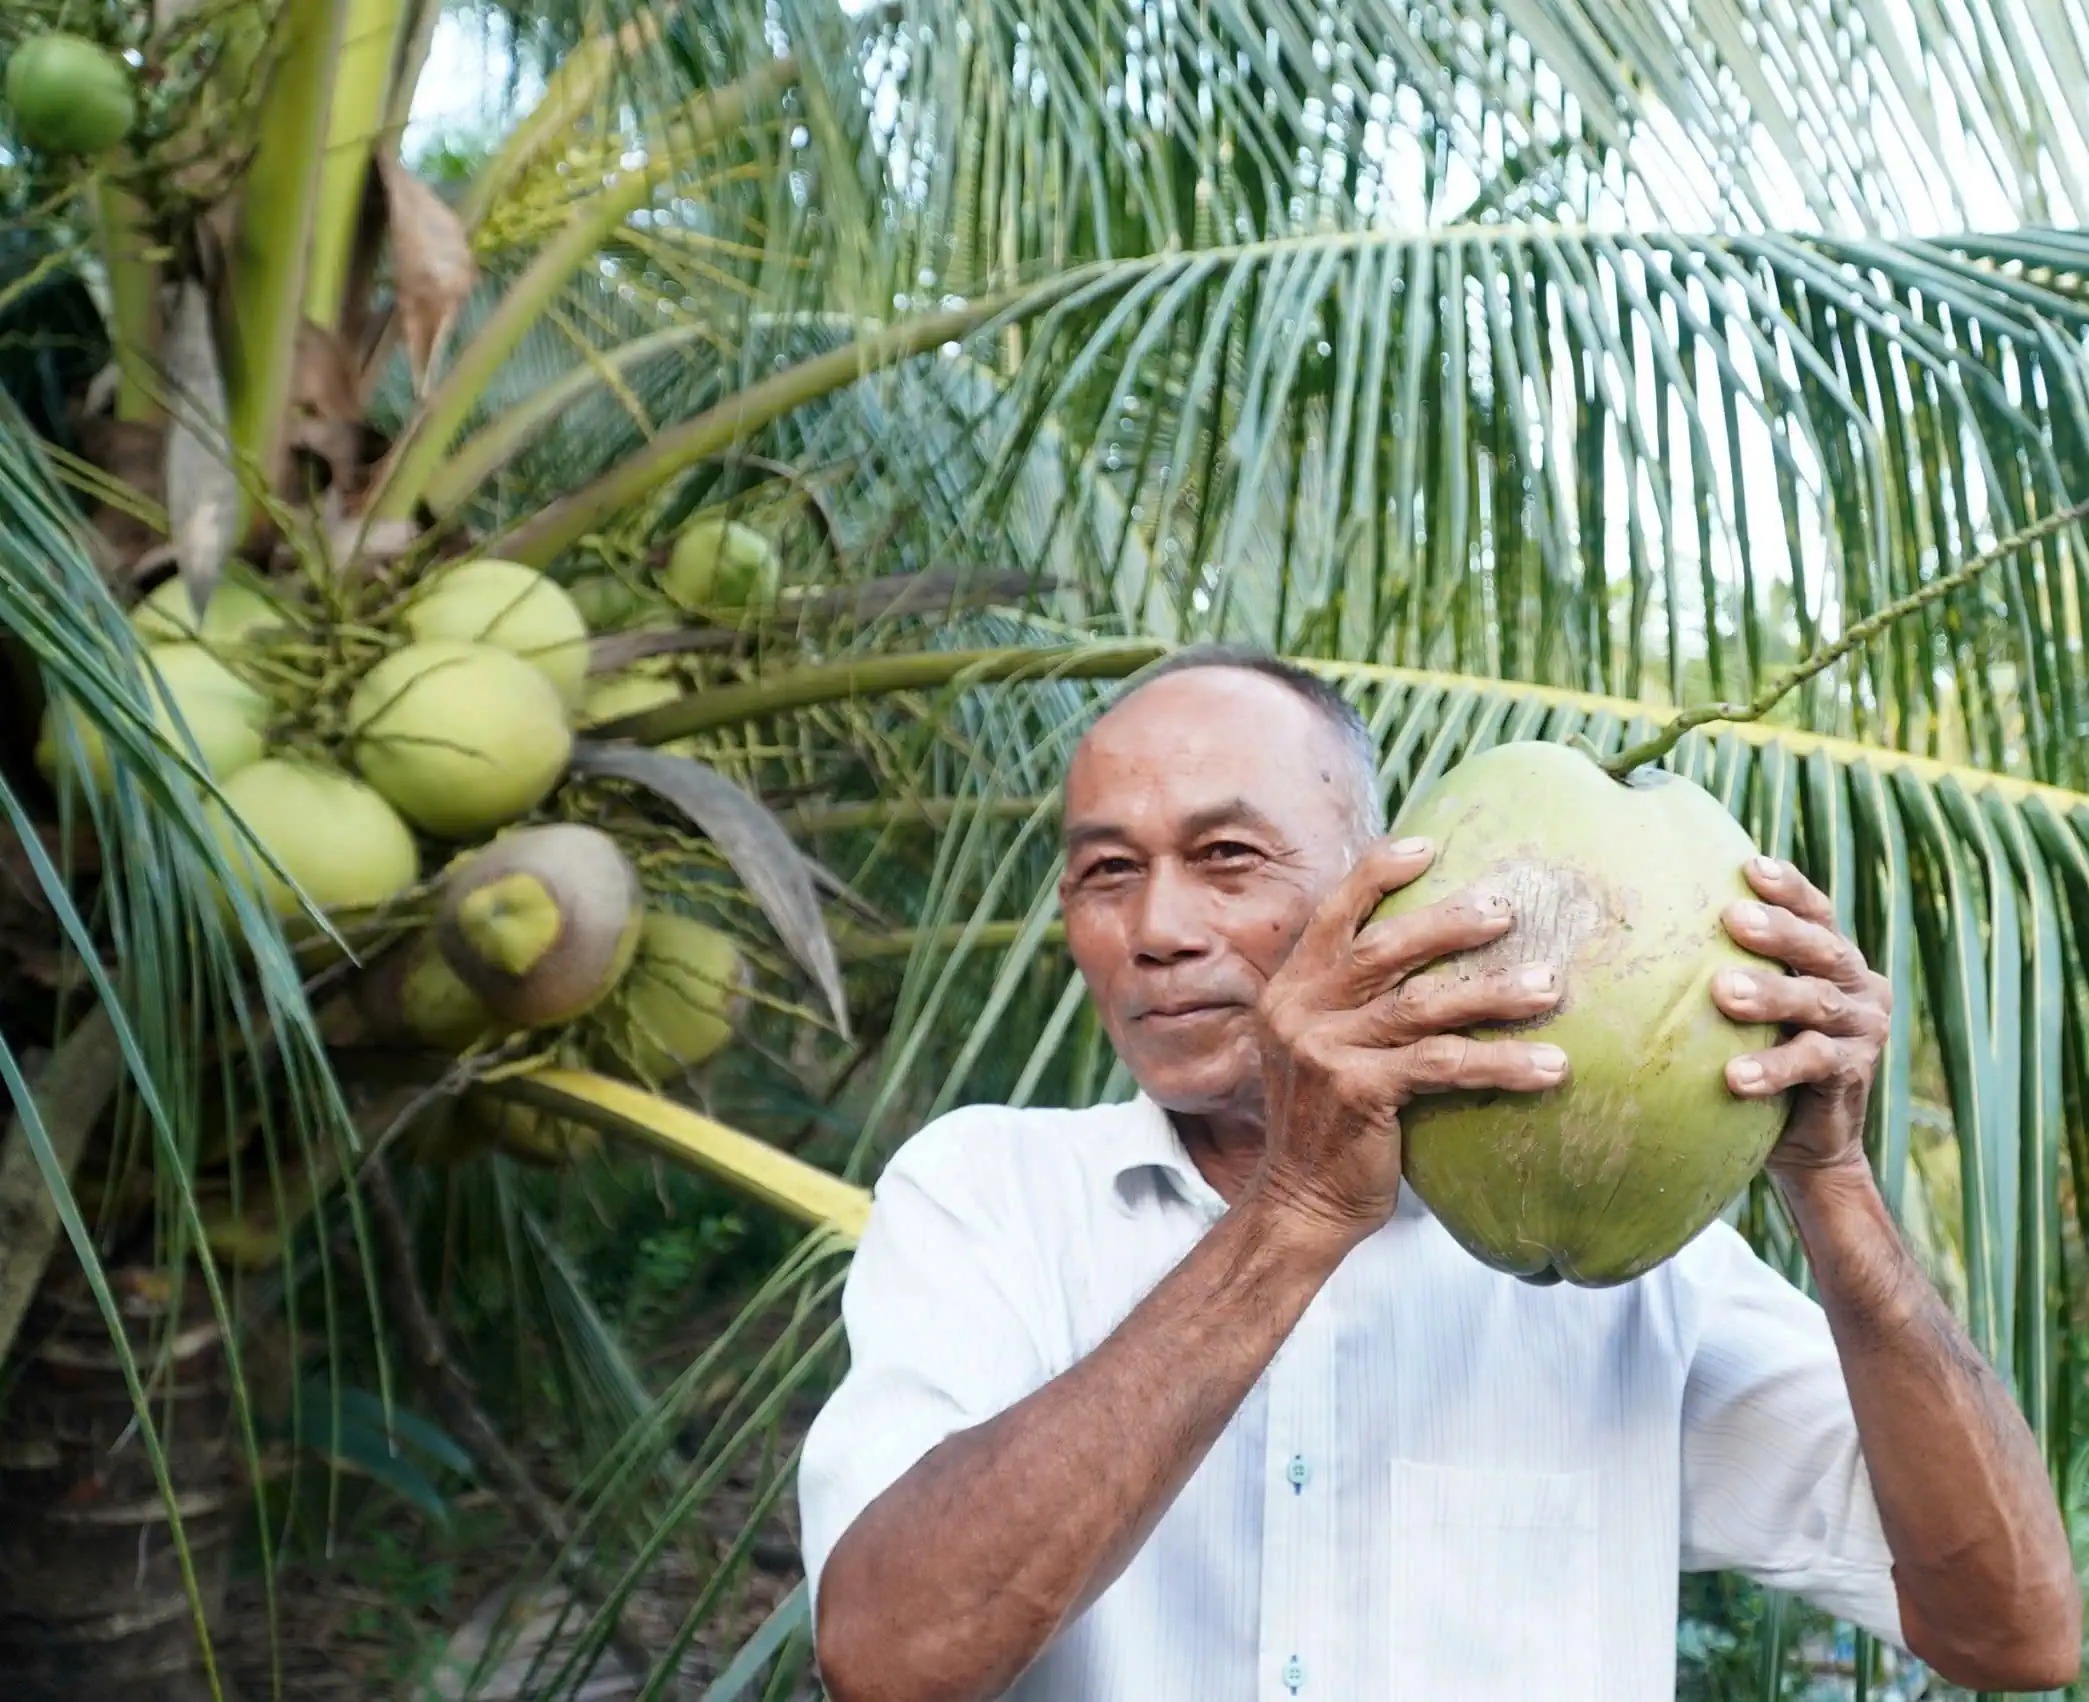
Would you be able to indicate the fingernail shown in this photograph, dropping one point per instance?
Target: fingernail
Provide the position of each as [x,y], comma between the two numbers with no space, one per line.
[1536,979]
[1548,1060]
[1751,915]
[1740,985]
[1769,867]
[1746,1073]
[1409,847]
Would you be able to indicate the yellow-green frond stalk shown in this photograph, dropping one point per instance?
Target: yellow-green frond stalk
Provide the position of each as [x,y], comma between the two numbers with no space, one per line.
[355,120]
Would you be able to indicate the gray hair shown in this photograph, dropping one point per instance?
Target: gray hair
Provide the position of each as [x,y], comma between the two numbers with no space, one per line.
[1330,705]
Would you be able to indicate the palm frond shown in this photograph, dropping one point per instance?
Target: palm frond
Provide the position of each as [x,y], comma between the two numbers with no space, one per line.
[169,979]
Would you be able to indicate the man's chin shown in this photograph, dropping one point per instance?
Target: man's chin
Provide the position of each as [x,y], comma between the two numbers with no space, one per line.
[1199,1090]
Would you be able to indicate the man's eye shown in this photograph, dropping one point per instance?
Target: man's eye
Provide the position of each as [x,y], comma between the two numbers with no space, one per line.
[1106,868]
[1229,851]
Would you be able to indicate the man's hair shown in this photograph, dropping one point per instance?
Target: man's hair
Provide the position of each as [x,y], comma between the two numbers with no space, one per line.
[1329,704]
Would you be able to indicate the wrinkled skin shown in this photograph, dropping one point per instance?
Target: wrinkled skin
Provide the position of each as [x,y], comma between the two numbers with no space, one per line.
[1218,882]
[1836,1008]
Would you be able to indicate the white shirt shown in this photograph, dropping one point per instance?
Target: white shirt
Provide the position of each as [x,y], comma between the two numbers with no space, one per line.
[1447,1484]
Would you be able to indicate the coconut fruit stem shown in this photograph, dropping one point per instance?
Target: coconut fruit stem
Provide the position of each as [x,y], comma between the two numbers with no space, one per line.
[511,921]
[1654,749]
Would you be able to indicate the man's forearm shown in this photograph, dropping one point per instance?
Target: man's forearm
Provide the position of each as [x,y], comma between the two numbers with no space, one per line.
[1981,1559]
[956,1578]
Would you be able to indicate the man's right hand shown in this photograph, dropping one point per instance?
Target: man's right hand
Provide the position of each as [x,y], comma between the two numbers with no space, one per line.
[1352,1031]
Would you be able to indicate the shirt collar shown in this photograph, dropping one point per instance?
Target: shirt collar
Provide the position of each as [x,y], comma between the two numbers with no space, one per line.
[1149,1150]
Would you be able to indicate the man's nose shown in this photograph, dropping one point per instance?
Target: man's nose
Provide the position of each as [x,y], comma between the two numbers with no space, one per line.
[1172,924]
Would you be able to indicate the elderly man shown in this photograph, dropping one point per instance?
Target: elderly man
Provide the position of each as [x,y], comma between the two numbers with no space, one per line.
[1185,1400]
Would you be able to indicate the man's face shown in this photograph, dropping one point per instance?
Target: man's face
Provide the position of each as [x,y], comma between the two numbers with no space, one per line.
[1206,817]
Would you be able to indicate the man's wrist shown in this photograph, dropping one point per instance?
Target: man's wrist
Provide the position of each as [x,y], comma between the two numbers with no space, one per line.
[1858,1258]
[1837,1184]
[1293,1231]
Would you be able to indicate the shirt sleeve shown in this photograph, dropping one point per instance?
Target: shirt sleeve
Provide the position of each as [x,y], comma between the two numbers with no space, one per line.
[934,1315]
[1774,1484]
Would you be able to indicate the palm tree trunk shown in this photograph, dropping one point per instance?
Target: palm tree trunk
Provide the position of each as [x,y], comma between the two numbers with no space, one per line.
[92,1600]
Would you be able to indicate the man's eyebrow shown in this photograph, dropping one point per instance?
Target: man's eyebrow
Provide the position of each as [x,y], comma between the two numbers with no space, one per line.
[1234,812]
[1087,833]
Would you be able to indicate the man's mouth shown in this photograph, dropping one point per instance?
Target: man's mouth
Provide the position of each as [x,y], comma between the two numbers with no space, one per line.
[1184,1010]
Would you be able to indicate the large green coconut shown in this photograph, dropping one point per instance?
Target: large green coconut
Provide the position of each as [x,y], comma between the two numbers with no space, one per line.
[511,607]
[721,566]
[461,738]
[1621,887]
[341,842]
[224,714]
[69,95]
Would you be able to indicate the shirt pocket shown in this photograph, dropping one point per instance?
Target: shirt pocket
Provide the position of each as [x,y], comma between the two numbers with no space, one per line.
[1494,1592]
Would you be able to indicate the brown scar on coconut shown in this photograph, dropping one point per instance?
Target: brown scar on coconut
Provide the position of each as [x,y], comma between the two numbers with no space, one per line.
[542,924]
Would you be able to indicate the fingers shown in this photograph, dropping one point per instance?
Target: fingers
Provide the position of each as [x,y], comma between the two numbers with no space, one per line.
[1386,867]
[1810,1059]
[1782,883]
[1445,1063]
[1799,1001]
[1808,947]
[1442,1003]
[1397,946]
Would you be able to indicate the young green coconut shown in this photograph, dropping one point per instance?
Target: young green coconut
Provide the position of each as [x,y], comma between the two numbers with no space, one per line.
[618,695]
[677,1002]
[240,606]
[69,95]
[411,996]
[1620,887]
[341,842]
[542,924]
[721,565]
[512,608]
[461,738]
[225,715]
[527,1133]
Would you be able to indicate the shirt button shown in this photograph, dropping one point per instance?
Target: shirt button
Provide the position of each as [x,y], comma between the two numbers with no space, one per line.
[1297,1472]
[1294,1675]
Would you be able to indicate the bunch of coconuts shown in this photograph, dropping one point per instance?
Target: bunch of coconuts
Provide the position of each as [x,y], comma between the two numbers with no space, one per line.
[363,747]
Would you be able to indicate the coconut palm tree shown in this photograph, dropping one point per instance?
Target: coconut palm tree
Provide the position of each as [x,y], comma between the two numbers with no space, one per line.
[1533,370]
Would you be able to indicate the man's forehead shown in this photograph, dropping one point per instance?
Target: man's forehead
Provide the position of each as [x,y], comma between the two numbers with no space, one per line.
[1207,738]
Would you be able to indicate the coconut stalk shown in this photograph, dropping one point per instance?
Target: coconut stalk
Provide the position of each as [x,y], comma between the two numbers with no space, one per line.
[802,1191]
[1653,750]
[134,279]
[355,120]
[874,676]
[280,199]
[527,300]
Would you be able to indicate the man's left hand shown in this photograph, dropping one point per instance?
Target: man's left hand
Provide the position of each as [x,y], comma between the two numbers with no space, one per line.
[1835,1010]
